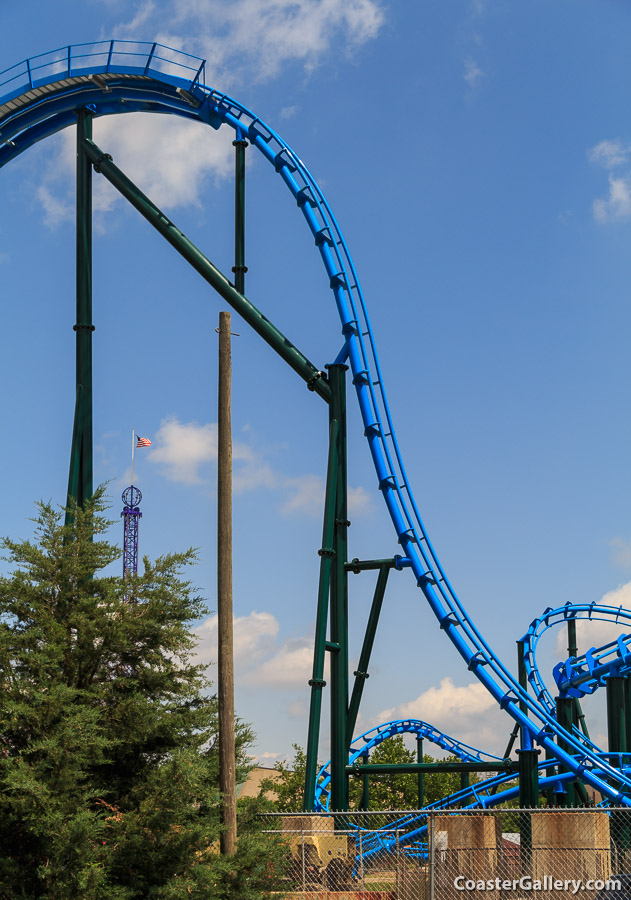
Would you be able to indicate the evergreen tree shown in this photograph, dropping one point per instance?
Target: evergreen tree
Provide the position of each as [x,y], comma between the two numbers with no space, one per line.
[108,763]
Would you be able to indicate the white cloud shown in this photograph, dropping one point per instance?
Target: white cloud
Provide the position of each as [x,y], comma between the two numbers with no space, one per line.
[473,74]
[56,209]
[617,205]
[290,666]
[170,159]
[254,637]
[595,634]
[610,154]
[621,552]
[260,659]
[466,712]
[306,495]
[255,39]
[183,449]
[287,112]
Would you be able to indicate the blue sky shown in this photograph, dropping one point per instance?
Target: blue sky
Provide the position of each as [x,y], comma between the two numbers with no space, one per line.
[477,156]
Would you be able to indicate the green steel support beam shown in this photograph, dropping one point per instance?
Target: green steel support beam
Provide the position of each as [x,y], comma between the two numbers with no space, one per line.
[239,267]
[315,379]
[317,682]
[421,775]
[572,651]
[528,799]
[565,718]
[364,800]
[617,728]
[528,778]
[81,460]
[338,631]
[507,766]
[364,657]
[75,454]
[572,647]
[617,714]
[365,565]
[528,756]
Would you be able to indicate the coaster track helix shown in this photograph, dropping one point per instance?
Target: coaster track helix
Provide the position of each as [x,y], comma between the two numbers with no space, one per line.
[41,96]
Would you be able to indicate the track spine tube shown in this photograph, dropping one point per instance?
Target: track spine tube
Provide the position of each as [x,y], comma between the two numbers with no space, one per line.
[275,338]
[317,678]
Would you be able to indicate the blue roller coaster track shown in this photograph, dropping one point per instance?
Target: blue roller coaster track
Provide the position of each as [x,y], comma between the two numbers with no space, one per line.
[371,739]
[42,95]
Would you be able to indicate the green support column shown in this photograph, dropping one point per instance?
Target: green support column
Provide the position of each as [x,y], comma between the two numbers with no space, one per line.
[617,728]
[364,802]
[421,775]
[617,714]
[239,267]
[364,657]
[317,682]
[565,718]
[339,602]
[627,706]
[529,757]
[81,467]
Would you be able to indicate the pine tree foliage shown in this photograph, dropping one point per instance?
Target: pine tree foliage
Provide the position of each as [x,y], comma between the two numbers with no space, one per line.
[108,760]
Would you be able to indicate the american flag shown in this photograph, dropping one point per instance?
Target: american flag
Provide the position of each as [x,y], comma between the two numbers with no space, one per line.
[142,442]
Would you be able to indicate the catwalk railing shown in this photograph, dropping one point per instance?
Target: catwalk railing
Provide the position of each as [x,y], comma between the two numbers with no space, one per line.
[505,853]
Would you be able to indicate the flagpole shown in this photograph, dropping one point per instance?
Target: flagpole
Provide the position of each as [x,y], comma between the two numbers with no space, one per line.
[133,442]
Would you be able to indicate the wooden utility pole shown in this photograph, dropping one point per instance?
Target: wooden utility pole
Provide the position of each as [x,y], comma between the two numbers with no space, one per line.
[227,780]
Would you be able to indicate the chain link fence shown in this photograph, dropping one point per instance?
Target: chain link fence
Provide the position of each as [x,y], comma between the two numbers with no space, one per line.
[503,854]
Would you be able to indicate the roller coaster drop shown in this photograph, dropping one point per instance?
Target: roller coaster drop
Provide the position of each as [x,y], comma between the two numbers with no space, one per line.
[74,84]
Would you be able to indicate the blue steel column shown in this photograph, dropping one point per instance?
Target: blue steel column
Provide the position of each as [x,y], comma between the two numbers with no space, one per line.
[81,466]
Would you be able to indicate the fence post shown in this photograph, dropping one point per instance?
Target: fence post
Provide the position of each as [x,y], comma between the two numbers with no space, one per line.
[398,859]
[432,858]
[361,861]
[304,873]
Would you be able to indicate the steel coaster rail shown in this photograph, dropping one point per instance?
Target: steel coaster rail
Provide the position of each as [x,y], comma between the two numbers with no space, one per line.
[166,92]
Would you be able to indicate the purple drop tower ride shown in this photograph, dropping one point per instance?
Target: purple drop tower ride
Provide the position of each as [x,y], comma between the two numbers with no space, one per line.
[131,520]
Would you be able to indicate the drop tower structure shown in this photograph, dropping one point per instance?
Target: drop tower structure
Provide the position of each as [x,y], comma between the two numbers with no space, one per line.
[131,520]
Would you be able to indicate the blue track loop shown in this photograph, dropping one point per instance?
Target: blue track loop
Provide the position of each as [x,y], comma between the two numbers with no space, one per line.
[550,618]
[371,739]
[40,96]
